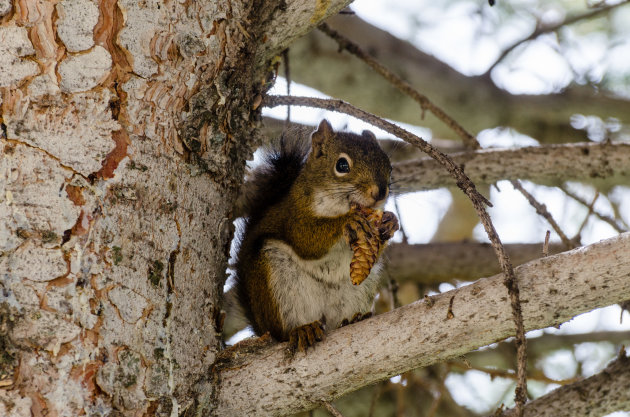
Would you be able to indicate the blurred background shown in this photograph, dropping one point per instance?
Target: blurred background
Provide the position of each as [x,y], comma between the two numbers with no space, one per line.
[523,73]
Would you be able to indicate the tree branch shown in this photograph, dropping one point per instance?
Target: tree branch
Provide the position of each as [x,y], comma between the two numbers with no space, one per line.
[400,84]
[597,395]
[541,209]
[296,19]
[612,222]
[540,29]
[548,165]
[475,102]
[435,263]
[502,356]
[553,289]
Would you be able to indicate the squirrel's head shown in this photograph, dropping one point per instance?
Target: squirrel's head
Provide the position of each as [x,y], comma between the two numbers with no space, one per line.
[346,168]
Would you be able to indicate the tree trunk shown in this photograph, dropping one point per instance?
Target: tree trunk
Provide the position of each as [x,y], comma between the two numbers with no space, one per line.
[125,130]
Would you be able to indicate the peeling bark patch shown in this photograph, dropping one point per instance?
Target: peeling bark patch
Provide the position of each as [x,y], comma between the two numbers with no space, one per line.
[75,194]
[43,329]
[37,263]
[76,132]
[14,45]
[141,23]
[321,7]
[76,22]
[32,203]
[85,71]
[130,305]
[121,380]
[121,140]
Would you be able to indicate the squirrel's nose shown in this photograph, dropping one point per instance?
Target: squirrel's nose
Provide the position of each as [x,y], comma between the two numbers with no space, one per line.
[378,193]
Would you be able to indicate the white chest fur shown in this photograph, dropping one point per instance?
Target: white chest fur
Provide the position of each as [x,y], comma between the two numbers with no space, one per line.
[306,290]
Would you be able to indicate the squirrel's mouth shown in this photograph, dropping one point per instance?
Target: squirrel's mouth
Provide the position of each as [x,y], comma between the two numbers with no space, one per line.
[367,201]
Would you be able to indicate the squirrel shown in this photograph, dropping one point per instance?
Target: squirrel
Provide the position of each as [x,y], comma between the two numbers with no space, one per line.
[292,265]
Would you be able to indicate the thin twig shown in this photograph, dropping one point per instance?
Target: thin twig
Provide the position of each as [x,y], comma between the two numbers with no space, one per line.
[331,409]
[287,77]
[577,237]
[435,403]
[400,398]
[546,244]
[402,227]
[542,210]
[540,30]
[400,84]
[502,373]
[467,186]
[377,393]
[602,217]
[392,286]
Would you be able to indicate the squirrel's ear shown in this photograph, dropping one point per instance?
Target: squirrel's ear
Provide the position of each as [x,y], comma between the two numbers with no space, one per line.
[368,134]
[320,136]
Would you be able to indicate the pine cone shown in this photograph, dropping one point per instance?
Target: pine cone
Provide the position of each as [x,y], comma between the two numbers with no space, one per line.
[363,236]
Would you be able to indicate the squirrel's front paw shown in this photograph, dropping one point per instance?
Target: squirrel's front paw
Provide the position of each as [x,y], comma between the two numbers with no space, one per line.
[389,225]
[301,338]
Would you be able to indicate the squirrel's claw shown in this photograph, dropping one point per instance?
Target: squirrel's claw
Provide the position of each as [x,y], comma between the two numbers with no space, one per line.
[389,225]
[356,318]
[303,337]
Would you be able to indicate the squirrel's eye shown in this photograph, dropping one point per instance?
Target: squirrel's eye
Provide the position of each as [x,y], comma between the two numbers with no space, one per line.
[342,167]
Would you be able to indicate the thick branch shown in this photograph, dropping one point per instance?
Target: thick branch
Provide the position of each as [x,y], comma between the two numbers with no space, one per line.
[553,290]
[294,20]
[550,165]
[596,396]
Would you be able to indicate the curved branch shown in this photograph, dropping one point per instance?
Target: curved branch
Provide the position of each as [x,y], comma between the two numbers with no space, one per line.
[553,289]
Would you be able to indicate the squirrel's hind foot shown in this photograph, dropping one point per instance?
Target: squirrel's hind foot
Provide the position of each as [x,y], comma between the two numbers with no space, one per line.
[303,337]
[356,318]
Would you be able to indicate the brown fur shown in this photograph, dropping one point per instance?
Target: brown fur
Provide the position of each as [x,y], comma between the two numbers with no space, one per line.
[289,216]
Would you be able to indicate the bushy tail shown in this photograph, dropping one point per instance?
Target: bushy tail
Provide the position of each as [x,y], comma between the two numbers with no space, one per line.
[269,182]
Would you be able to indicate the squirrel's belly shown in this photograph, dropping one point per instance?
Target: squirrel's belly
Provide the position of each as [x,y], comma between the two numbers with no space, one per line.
[306,290]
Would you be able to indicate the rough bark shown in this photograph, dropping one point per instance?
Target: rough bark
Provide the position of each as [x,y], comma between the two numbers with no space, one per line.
[602,164]
[475,102]
[553,290]
[125,127]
